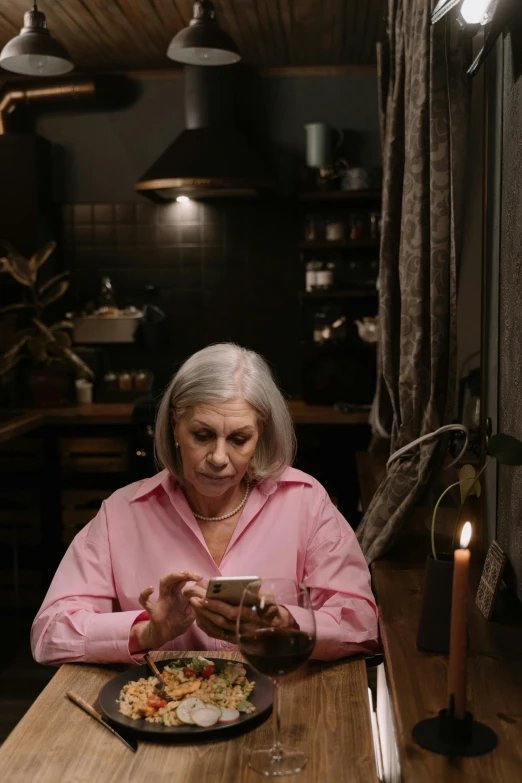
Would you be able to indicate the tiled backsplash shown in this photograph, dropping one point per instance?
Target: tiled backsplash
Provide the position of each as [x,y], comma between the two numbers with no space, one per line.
[220,272]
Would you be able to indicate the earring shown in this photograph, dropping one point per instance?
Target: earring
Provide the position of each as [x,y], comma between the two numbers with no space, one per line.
[177,444]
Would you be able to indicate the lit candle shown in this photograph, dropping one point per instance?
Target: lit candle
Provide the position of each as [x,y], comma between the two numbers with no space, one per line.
[459,625]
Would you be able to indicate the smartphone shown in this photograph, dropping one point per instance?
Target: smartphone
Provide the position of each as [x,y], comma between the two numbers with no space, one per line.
[230,588]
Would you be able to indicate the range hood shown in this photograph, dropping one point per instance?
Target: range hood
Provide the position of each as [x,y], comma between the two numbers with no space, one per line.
[211,158]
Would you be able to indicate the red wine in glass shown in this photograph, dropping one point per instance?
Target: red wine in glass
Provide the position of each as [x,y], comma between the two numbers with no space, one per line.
[277,651]
[276,634]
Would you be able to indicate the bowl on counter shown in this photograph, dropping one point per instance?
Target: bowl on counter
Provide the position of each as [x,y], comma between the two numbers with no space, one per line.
[117,328]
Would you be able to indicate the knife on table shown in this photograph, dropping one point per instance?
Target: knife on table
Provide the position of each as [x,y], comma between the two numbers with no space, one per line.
[129,742]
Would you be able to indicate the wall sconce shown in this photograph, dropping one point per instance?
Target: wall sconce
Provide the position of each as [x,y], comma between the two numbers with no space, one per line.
[492,15]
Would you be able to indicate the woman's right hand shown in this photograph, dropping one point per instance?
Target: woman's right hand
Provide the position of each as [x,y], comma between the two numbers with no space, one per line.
[170,616]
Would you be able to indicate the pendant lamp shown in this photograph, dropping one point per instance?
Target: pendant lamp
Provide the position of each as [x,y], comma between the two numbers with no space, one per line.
[203,42]
[35,52]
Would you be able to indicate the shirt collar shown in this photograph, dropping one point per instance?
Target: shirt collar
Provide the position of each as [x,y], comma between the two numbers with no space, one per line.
[266,487]
[147,486]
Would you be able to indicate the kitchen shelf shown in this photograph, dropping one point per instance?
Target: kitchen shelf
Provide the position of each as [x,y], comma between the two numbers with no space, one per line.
[345,245]
[341,195]
[348,293]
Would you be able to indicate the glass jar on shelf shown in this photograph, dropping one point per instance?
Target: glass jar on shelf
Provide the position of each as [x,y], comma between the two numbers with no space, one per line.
[110,381]
[125,381]
[375,225]
[324,277]
[312,267]
[143,380]
[310,229]
[334,228]
[356,227]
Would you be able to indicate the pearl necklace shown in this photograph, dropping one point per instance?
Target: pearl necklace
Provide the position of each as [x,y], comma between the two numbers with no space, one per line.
[230,513]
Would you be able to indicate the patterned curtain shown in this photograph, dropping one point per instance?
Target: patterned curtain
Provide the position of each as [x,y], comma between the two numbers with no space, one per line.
[424,97]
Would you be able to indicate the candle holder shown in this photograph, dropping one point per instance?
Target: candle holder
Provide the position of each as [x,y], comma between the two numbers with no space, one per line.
[453,737]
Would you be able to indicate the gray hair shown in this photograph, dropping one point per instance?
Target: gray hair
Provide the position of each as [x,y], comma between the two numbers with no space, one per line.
[221,372]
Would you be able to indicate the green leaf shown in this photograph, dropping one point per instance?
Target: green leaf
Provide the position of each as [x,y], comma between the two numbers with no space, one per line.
[11,308]
[245,706]
[54,293]
[505,449]
[43,329]
[41,256]
[15,349]
[50,283]
[468,483]
[17,265]
[62,338]
[82,370]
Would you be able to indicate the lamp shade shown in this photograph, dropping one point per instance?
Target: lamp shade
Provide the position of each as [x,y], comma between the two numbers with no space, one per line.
[35,52]
[203,42]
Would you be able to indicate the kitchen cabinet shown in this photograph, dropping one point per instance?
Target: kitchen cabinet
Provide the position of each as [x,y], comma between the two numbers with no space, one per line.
[339,250]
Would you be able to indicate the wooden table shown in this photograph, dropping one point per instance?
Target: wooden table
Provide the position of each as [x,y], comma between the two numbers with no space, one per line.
[324,711]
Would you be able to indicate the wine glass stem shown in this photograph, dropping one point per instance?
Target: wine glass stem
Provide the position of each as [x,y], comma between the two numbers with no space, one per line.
[277,748]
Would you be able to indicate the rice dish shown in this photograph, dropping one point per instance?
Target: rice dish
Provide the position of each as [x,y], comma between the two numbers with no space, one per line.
[227,688]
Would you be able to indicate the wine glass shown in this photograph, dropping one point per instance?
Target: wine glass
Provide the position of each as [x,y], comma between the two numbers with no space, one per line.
[276,634]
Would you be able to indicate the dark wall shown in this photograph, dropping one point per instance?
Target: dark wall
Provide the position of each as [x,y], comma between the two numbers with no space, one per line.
[219,272]
[108,151]
[510,323]
[222,271]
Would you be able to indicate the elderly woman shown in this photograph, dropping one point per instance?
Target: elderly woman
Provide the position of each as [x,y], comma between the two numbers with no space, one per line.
[227,503]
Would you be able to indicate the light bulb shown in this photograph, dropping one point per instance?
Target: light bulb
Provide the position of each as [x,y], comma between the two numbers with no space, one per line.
[183,199]
[36,62]
[473,11]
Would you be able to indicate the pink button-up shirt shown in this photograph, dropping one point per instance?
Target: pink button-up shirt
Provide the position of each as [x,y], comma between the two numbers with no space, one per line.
[289,528]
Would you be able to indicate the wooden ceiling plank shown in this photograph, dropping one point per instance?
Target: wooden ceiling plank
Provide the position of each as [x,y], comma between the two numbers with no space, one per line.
[351,21]
[81,35]
[367,29]
[142,16]
[7,27]
[246,14]
[130,43]
[233,19]
[286,17]
[184,9]
[312,26]
[168,15]
[134,21]
[268,13]
[134,34]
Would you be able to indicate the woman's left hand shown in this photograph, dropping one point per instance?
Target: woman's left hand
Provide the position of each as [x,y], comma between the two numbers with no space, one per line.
[215,618]
[219,619]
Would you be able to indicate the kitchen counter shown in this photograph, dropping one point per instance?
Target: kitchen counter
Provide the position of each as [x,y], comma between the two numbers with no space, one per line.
[15,423]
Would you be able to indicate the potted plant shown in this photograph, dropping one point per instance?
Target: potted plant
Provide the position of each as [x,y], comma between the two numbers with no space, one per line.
[434,625]
[46,348]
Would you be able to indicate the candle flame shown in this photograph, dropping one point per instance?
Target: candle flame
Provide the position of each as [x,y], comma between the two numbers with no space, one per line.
[465,536]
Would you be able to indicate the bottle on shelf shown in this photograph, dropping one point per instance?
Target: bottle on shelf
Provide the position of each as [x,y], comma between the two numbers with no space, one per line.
[375,225]
[356,227]
[310,229]
[312,268]
[106,301]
